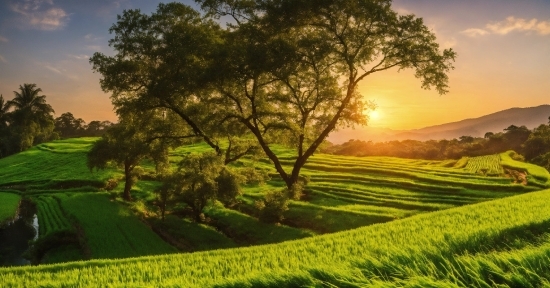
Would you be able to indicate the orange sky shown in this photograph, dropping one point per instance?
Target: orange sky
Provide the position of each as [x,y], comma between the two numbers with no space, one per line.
[503,58]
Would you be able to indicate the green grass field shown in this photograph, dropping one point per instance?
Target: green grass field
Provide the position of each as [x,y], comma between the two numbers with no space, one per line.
[486,236]
[9,203]
[411,207]
[111,230]
[54,165]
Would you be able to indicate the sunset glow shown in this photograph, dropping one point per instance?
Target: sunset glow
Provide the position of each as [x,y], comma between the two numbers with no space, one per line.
[503,58]
[374,115]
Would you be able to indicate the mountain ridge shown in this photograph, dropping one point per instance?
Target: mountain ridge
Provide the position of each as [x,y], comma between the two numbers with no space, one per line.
[530,117]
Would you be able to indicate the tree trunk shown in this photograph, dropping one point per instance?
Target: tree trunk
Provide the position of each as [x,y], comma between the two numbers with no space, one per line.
[128,181]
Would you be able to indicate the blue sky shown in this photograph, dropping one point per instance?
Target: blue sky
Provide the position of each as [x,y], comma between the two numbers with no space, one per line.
[503,57]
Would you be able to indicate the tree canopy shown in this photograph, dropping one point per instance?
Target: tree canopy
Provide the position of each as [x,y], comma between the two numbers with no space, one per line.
[282,71]
[126,144]
[25,120]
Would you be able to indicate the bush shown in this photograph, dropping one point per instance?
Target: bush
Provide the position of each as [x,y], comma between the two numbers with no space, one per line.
[111,184]
[229,186]
[273,206]
[516,156]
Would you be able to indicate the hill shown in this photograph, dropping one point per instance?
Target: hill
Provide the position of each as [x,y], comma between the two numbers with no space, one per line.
[473,246]
[531,117]
[345,193]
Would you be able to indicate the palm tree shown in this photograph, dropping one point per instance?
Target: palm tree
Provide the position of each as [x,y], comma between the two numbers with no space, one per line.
[30,106]
[3,112]
[31,120]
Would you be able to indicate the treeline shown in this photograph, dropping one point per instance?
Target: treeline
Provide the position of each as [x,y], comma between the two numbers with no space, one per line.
[67,126]
[27,120]
[534,145]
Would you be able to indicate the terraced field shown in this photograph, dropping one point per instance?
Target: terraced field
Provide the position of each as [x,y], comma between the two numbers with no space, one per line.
[362,191]
[482,245]
[485,165]
[344,193]
[54,165]
[51,218]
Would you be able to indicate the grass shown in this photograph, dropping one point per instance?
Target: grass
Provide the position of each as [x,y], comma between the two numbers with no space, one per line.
[50,217]
[193,236]
[247,230]
[111,230]
[539,173]
[9,202]
[485,165]
[398,199]
[410,243]
[54,165]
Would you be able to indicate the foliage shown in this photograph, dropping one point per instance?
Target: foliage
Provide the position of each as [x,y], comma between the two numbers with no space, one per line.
[229,186]
[537,146]
[199,180]
[25,120]
[126,144]
[273,206]
[539,173]
[275,75]
[68,126]
[532,144]
[172,63]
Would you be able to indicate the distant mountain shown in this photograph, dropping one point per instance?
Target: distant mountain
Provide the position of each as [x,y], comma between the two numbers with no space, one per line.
[477,127]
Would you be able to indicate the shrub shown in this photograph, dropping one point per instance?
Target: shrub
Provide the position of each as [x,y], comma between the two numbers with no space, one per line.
[111,184]
[273,206]
[229,186]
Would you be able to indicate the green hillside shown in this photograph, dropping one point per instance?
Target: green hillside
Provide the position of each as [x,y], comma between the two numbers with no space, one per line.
[483,242]
[81,209]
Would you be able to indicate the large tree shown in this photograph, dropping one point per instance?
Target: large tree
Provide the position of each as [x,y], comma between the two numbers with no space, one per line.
[126,144]
[294,66]
[283,71]
[161,63]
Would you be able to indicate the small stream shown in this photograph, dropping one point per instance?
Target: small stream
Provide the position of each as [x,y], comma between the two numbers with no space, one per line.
[15,236]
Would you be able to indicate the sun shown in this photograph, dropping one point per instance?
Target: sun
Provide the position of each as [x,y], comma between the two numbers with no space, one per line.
[374,115]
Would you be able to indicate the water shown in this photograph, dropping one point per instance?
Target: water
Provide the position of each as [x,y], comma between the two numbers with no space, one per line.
[15,236]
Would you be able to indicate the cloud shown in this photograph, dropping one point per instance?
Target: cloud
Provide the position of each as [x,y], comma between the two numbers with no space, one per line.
[474,32]
[511,24]
[3,39]
[79,57]
[38,14]
[53,69]
[93,47]
[450,43]
[2,59]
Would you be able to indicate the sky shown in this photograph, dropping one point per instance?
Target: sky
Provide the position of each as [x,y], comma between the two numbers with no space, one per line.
[503,61]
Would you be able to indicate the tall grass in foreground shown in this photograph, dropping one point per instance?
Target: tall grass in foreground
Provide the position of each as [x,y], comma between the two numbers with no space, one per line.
[9,203]
[339,258]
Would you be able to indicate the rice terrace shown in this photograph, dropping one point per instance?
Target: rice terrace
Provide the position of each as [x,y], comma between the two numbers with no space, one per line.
[230,162]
